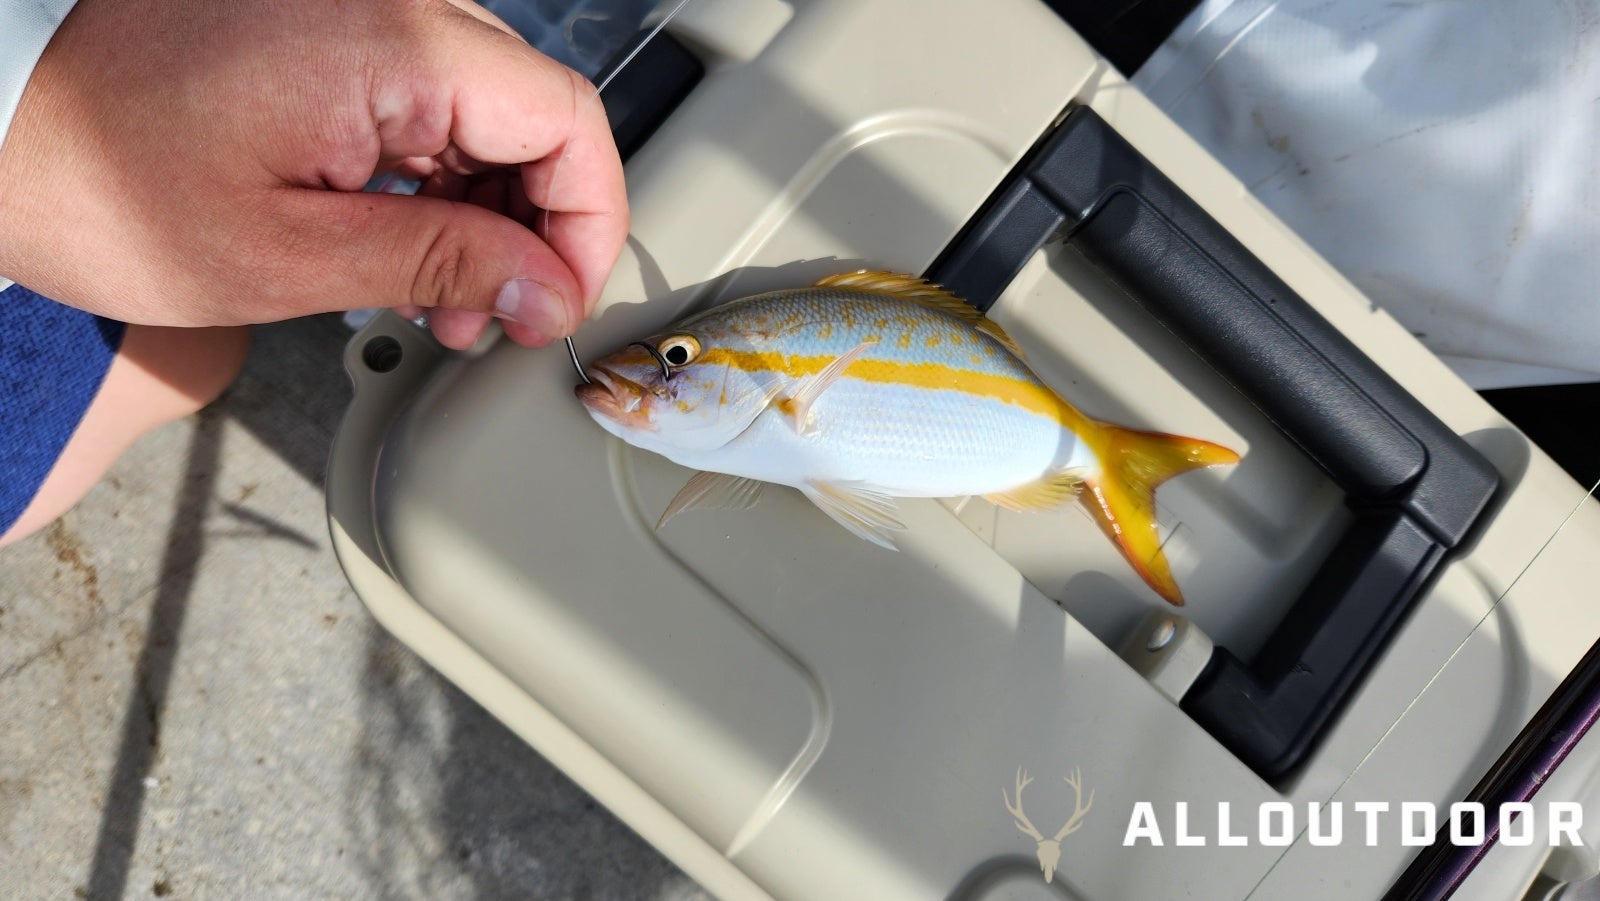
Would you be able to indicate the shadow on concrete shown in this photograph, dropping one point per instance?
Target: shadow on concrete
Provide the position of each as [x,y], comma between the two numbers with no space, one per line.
[141,720]
[445,800]
[293,390]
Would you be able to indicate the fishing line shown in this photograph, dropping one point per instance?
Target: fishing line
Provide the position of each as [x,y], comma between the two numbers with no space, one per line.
[555,174]
[1417,698]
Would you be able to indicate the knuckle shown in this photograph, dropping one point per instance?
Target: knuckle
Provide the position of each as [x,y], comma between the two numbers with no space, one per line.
[444,273]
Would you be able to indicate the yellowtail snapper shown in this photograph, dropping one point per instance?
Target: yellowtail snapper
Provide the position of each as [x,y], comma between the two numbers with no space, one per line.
[869,386]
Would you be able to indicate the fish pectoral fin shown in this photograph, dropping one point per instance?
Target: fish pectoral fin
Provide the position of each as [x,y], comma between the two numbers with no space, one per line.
[861,508]
[713,490]
[798,404]
[1047,493]
[924,292]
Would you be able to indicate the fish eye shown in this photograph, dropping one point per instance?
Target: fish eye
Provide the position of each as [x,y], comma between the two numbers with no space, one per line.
[680,350]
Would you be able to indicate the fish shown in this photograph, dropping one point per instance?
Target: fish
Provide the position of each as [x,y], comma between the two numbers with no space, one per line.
[869,386]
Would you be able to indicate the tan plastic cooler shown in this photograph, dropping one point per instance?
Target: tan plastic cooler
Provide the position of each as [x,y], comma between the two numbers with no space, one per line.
[788,711]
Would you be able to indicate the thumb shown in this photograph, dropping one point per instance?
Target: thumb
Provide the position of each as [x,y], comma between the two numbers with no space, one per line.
[388,250]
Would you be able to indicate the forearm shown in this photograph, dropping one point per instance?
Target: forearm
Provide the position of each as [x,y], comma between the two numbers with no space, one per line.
[26,26]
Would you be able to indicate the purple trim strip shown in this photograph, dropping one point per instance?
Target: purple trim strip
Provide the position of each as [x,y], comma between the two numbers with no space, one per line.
[1527,764]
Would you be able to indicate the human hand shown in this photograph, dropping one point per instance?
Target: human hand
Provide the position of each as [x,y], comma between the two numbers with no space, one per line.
[185,162]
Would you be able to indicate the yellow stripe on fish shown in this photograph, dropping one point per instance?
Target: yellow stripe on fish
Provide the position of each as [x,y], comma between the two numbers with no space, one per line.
[1028,395]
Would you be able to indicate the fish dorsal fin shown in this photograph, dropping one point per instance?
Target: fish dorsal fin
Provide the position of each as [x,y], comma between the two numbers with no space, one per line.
[922,291]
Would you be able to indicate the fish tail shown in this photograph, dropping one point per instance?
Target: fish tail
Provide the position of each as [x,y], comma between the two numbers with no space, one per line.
[1121,497]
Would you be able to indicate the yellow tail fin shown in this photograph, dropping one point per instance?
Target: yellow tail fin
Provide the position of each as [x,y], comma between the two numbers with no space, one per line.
[1122,496]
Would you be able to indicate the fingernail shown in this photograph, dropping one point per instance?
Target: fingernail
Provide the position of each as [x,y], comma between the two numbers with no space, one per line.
[534,305]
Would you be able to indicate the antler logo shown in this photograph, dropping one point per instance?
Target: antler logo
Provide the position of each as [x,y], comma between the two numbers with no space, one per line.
[1049,848]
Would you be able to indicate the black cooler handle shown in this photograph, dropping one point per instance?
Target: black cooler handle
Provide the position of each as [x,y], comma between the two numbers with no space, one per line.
[1416,487]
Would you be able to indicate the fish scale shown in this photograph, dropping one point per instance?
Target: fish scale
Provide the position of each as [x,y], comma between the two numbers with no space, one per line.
[923,434]
[806,321]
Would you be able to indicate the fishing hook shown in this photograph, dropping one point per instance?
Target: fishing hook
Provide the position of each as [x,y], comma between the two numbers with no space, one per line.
[666,368]
[572,351]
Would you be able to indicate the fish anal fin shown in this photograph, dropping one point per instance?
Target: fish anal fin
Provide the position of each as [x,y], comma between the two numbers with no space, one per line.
[798,404]
[1121,497]
[865,511]
[1047,493]
[713,490]
[921,291]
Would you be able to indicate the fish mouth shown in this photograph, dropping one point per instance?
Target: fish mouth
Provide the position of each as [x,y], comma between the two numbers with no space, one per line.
[600,391]
[595,396]
[613,396]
